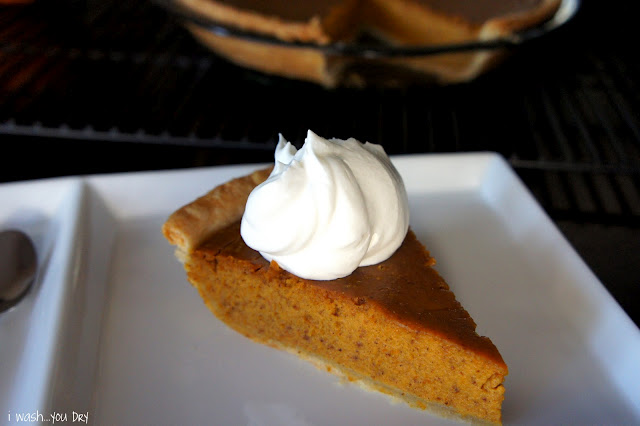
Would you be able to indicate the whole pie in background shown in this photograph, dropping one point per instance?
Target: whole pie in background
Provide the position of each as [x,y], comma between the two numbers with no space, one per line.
[391,22]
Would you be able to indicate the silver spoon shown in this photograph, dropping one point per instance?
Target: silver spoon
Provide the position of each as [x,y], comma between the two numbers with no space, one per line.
[18,265]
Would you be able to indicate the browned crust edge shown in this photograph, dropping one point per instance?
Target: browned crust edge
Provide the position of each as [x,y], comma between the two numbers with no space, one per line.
[193,223]
[520,21]
[249,21]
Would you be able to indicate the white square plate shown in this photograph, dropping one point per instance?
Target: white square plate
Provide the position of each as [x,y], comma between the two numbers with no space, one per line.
[113,330]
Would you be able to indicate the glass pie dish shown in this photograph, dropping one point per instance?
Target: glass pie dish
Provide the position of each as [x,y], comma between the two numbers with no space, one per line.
[364,59]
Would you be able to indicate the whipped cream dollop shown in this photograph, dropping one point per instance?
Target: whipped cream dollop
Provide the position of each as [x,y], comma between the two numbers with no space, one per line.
[327,208]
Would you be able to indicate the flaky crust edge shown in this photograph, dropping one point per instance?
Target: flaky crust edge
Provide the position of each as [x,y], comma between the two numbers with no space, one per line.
[193,223]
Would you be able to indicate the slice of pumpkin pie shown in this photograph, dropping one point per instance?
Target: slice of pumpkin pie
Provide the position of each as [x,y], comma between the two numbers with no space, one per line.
[392,324]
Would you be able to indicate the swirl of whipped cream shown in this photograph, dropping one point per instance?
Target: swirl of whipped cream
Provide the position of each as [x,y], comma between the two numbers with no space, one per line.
[327,208]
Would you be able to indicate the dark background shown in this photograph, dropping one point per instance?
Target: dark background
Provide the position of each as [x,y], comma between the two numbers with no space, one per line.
[106,86]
